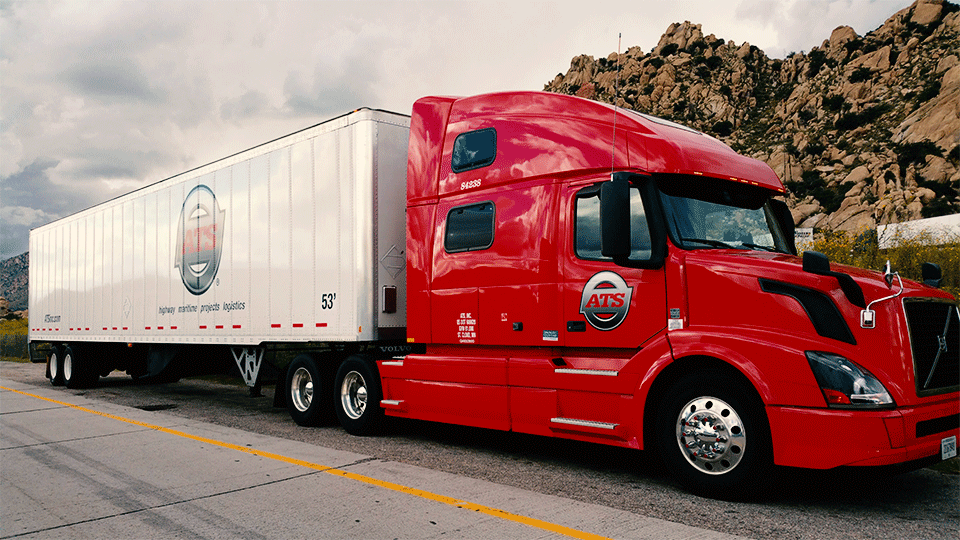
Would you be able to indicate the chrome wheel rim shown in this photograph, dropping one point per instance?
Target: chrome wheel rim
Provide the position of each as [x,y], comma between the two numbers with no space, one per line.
[711,436]
[54,366]
[353,395]
[301,389]
[67,366]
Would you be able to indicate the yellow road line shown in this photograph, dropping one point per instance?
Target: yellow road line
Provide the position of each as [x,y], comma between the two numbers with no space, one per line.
[490,511]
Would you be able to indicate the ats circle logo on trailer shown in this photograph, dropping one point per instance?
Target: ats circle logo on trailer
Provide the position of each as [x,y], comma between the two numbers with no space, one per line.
[200,237]
[605,300]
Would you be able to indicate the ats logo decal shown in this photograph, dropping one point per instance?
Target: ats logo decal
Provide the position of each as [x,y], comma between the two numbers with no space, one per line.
[605,300]
[200,239]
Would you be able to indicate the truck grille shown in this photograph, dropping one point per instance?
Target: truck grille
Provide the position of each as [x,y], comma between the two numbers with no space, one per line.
[935,343]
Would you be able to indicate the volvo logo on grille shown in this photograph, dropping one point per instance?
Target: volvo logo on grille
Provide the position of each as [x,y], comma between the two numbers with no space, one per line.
[200,239]
[942,343]
[605,300]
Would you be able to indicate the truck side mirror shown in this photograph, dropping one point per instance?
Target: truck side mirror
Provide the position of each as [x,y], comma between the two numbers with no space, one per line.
[781,212]
[615,218]
[815,262]
[931,274]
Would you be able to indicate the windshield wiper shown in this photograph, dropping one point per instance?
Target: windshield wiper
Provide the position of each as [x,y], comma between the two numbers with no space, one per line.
[758,246]
[707,241]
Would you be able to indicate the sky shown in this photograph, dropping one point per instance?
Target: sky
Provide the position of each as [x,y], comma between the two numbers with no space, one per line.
[99,98]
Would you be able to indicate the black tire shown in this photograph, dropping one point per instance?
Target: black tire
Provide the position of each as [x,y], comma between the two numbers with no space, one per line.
[712,433]
[308,394]
[357,395]
[78,371]
[55,366]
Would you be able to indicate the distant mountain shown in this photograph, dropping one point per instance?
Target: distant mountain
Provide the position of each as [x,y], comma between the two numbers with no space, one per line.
[863,130]
[13,281]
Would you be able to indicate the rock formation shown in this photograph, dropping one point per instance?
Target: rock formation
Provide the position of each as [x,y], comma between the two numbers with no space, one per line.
[863,130]
[13,283]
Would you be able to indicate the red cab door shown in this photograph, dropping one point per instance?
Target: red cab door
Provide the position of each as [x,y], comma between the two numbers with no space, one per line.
[606,304]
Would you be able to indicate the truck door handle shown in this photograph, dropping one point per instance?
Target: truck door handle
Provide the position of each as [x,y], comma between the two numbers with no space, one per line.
[576,326]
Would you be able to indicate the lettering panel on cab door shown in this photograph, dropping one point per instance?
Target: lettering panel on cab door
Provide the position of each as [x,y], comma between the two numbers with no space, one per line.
[456,316]
[610,306]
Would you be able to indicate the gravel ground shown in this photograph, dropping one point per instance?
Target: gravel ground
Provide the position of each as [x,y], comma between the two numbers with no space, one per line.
[917,504]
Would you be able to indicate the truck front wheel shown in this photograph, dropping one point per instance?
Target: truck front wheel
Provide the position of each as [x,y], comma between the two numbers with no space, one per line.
[306,398]
[358,396]
[713,434]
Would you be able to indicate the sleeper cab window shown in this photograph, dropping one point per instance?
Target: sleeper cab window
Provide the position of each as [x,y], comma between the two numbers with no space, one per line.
[587,227]
[474,149]
[469,227]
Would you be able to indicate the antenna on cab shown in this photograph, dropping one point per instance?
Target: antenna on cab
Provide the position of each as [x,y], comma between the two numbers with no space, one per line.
[616,94]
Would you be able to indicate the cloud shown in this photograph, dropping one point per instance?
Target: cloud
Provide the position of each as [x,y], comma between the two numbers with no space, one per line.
[111,78]
[20,189]
[21,216]
[100,98]
[21,208]
[799,25]
[250,104]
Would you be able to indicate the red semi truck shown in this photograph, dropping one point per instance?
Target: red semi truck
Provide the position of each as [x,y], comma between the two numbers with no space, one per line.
[568,269]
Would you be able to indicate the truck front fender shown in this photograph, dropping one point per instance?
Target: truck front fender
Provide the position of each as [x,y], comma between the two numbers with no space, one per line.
[774,363]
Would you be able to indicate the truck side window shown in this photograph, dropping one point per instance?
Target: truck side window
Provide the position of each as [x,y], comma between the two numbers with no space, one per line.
[474,149]
[587,227]
[469,228]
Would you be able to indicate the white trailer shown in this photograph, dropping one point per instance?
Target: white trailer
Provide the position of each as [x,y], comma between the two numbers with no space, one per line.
[299,240]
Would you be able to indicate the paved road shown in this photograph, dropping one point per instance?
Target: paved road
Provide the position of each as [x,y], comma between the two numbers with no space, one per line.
[75,467]
[587,488]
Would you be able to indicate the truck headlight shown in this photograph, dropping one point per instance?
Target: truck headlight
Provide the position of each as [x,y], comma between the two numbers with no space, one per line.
[845,385]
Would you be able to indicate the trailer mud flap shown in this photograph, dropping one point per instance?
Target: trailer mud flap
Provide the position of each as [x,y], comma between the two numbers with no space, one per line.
[159,358]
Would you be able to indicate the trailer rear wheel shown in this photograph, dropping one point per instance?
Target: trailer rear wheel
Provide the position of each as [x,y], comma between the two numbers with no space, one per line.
[77,371]
[358,396]
[55,366]
[306,398]
[713,434]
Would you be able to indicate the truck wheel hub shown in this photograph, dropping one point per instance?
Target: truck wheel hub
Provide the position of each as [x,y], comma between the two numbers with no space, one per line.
[301,389]
[710,435]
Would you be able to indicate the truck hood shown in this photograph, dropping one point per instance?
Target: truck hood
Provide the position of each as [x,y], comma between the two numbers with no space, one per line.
[768,296]
[789,269]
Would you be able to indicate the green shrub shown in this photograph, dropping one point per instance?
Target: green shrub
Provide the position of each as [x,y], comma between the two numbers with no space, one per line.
[910,153]
[13,339]
[929,92]
[866,116]
[938,207]
[723,129]
[860,75]
[671,48]
[833,103]
[817,59]
[853,45]
[906,257]
[815,149]
[14,327]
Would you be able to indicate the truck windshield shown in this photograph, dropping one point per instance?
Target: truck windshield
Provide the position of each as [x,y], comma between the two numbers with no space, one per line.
[711,214]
